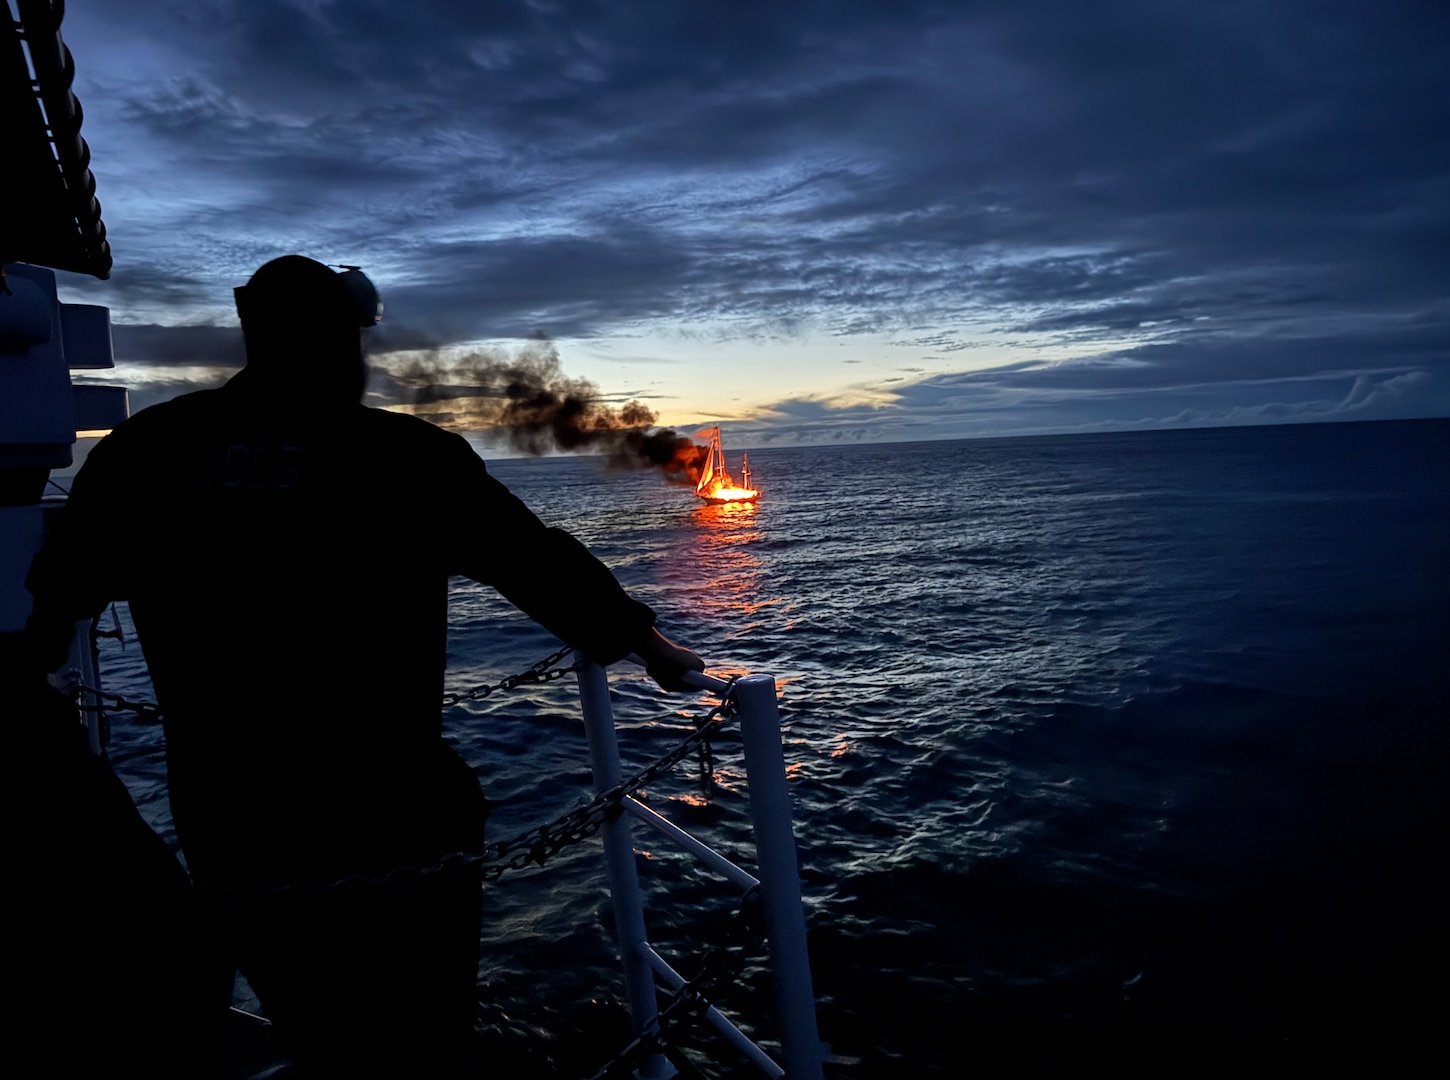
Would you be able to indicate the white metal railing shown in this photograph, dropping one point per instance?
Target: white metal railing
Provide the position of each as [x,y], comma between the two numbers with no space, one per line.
[779,880]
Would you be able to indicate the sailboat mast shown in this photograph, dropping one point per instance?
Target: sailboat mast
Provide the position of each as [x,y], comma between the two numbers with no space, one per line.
[714,483]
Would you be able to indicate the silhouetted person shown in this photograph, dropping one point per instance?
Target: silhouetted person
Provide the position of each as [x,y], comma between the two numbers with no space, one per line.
[286,552]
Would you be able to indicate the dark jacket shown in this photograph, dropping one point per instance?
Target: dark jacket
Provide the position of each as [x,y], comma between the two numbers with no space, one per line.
[287,571]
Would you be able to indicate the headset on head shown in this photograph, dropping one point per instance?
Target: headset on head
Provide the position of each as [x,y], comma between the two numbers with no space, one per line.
[365,305]
[364,295]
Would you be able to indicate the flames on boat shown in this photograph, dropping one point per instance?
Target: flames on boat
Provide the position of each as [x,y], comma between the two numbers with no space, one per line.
[715,484]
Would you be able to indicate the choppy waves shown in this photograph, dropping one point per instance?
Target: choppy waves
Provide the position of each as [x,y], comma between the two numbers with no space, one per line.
[1110,750]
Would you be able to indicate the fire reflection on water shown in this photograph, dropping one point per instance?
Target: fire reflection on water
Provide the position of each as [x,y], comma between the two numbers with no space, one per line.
[729,573]
[722,571]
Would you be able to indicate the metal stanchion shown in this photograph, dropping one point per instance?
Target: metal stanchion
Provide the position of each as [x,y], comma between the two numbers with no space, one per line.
[624,892]
[779,876]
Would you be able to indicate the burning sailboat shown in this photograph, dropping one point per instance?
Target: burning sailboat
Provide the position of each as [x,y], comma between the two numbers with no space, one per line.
[715,484]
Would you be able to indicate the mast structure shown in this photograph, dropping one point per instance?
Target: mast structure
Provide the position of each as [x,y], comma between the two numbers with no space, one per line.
[715,483]
[717,455]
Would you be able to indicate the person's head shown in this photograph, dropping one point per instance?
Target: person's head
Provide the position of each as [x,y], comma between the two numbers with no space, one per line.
[303,324]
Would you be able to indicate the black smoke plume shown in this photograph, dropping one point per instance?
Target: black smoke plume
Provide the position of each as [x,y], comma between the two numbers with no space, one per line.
[526,399]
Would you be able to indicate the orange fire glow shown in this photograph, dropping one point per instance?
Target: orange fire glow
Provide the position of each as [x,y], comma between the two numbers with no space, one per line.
[726,491]
[712,482]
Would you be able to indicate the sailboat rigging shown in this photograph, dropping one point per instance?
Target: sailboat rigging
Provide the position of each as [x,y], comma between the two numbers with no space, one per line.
[716,485]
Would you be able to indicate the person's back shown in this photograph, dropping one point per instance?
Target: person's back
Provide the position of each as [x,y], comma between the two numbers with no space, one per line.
[279,563]
[283,548]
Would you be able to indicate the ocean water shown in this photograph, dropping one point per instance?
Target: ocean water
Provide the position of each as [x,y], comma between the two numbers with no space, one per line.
[1124,751]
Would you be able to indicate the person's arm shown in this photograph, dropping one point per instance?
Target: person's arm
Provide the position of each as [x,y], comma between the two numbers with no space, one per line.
[552,577]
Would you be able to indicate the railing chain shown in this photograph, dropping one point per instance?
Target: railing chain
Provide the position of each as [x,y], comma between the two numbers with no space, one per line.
[531,848]
[148,712]
[707,755]
[689,1003]
[542,672]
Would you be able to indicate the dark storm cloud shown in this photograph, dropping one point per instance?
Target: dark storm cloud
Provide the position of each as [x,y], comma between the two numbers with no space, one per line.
[139,285]
[571,284]
[1214,194]
[160,362]
[217,347]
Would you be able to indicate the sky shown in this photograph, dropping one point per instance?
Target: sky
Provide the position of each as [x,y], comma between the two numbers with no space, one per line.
[809,221]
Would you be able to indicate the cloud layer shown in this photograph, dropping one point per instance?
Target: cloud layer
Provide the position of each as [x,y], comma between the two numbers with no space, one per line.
[1142,212]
